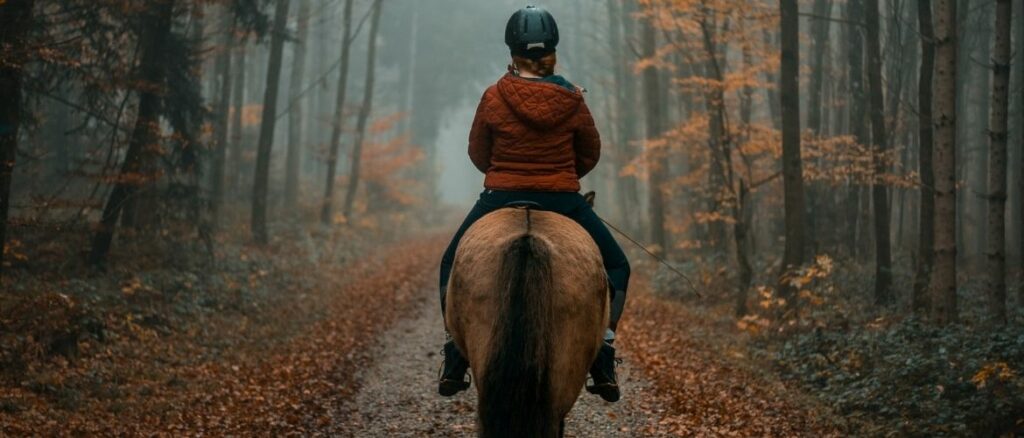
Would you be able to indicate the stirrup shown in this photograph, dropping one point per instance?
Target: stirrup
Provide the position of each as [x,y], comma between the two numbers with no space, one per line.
[450,387]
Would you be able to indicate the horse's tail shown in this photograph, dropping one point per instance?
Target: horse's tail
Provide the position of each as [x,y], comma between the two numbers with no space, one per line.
[515,398]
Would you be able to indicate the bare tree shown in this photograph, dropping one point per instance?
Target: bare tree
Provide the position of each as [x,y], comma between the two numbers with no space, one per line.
[792,166]
[261,180]
[919,297]
[16,17]
[880,194]
[339,118]
[364,111]
[943,282]
[158,18]
[295,119]
[997,164]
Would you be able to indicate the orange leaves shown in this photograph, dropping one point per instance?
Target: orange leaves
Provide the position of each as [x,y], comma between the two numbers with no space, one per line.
[701,377]
[993,373]
[14,251]
[276,358]
[840,160]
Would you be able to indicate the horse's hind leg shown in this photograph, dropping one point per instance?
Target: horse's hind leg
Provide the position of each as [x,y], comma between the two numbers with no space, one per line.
[561,429]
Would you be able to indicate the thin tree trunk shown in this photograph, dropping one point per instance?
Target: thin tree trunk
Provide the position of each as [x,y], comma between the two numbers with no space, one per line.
[979,167]
[792,167]
[234,159]
[364,112]
[15,23]
[879,141]
[156,32]
[224,79]
[943,282]
[741,216]
[261,179]
[295,119]
[997,164]
[774,100]
[820,31]
[339,118]
[623,121]
[919,297]
[655,127]
[815,192]
[858,110]
[1020,152]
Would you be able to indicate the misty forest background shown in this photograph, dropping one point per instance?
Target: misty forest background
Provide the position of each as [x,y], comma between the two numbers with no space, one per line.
[840,182]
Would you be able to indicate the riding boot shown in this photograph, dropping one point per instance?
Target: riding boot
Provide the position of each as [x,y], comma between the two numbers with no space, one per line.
[453,371]
[603,373]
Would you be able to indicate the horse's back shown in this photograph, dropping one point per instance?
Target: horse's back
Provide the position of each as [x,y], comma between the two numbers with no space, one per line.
[577,294]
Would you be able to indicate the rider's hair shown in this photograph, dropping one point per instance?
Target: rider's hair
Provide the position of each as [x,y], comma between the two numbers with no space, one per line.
[544,66]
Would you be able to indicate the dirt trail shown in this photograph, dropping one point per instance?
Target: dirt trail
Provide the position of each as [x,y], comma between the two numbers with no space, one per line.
[399,399]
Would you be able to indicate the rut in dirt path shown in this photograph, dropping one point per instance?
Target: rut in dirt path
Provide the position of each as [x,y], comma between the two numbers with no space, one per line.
[398,396]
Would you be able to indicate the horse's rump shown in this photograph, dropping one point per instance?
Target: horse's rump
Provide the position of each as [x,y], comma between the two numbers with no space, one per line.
[527,304]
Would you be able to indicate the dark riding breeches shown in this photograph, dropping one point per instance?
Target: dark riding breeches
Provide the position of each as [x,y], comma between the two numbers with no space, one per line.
[569,204]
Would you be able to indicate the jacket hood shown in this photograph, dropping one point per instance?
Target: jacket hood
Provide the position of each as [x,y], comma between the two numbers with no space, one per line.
[539,104]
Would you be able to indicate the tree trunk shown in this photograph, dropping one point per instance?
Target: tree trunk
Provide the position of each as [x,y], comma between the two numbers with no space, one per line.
[364,112]
[234,159]
[339,118]
[774,100]
[741,211]
[1020,152]
[880,193]
[295,119]
[978,155]
[820,32]
[623,121]
[155,34]
[792,167]
[943,282]
[15,23]
[997,164]
[261,179]
[224,88]
[815,191]
[657,171]
[858,110]
[919,297]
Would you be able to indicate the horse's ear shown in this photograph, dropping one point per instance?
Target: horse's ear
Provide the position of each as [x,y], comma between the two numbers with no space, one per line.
[589,197]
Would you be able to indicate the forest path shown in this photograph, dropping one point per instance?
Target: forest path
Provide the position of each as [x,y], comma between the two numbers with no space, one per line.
[398,395]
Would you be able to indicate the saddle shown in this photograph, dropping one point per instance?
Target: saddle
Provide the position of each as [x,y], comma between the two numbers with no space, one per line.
[589,197]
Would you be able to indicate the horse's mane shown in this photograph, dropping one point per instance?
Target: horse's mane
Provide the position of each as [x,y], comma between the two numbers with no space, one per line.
[516,399]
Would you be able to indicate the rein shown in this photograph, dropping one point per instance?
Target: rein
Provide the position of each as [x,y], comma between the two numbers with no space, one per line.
[693,288]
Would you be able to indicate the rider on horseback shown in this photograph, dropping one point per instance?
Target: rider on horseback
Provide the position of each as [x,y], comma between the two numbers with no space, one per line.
[534,138]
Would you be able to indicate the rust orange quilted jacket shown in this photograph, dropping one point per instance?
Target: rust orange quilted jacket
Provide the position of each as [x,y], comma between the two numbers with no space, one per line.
[531,135]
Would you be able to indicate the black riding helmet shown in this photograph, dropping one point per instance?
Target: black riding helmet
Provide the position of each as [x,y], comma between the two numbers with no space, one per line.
[531,33]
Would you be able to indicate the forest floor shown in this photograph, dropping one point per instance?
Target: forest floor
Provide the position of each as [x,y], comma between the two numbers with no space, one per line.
[347,346]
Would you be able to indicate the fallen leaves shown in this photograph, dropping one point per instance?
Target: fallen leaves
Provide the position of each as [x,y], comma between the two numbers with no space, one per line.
[705,389]
[282,366]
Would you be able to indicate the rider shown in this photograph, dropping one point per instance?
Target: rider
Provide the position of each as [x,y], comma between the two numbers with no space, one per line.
[534,138]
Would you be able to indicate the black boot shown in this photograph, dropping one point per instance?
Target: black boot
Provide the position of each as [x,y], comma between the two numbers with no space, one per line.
[453,371]
[603,373]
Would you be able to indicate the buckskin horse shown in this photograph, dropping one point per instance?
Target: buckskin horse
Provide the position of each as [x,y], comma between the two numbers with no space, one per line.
[528,306]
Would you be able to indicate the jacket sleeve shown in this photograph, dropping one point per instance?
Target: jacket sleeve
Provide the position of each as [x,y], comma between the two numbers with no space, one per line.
[586,142]
[480,139]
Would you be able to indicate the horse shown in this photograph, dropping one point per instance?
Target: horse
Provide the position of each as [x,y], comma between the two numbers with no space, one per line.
[528,307]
